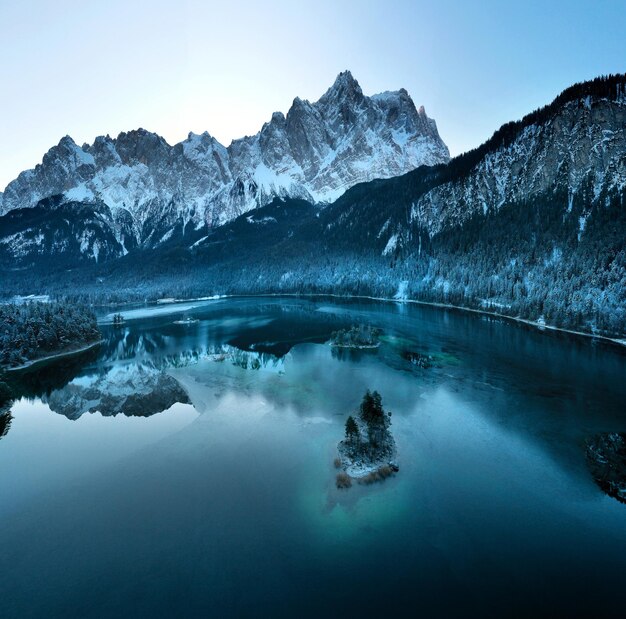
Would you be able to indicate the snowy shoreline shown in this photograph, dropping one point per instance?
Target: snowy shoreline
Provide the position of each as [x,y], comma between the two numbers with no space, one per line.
[540,326]
[59,355]
[359,469]
[355,346]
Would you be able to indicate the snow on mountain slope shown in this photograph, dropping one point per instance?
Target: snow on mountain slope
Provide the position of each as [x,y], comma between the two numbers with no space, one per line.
[316,152]
[580,150]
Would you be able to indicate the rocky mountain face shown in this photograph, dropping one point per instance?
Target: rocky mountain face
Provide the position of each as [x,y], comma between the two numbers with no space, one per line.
[147,191]
[580,150]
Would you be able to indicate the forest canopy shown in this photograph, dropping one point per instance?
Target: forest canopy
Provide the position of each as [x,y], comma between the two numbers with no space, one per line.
[33,330]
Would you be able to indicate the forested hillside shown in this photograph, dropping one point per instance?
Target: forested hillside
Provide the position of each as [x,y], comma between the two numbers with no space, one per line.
[34,330]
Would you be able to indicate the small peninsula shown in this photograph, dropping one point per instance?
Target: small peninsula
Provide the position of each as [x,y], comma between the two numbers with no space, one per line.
[367,453]
[35,330]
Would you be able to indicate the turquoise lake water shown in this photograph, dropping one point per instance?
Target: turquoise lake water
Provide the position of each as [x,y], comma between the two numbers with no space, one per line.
[186,470]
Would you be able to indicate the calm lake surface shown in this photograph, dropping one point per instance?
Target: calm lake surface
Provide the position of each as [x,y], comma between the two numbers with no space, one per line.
[186,470]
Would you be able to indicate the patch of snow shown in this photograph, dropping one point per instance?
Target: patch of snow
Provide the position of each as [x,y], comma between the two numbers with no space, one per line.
[39,298]
[384,228]
[199,241]
[80,193]
[391,244]
[167,235]
[262,220]
[582,224]
[402,292]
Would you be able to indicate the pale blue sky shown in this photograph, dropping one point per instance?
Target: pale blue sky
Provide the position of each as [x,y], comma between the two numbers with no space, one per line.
[94,67]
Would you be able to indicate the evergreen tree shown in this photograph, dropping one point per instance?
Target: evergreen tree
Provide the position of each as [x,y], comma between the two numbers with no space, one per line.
[352,430]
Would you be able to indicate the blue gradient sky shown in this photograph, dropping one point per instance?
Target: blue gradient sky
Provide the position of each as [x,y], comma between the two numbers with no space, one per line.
[90,68]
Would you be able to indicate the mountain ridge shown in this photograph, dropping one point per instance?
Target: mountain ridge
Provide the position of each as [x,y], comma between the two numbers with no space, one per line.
[316,151]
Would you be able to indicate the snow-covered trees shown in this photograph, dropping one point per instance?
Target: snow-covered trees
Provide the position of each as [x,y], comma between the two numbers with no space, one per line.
[37,329]
[352,430]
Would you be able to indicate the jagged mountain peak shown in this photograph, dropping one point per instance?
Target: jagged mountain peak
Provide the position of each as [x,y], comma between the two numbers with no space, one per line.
[67,141]
[66,146]
[344,87]
[205,138]
[345,77]
[141,134]
[315,152]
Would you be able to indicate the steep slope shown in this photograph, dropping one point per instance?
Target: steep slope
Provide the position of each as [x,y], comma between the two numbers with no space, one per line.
[61,233]
[315,152]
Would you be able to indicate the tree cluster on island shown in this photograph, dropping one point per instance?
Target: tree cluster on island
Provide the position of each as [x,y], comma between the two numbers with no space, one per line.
[357,336]
[368,449]
[418,359]
[34,330]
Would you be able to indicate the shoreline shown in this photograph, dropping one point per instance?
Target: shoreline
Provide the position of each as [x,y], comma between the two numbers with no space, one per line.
[59,355]
[525,321]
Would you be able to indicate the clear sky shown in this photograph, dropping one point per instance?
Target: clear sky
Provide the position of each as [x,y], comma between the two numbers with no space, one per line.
[95,67]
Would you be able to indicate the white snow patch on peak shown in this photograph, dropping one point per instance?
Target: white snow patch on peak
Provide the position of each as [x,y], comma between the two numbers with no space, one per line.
[80,193]
[83,157]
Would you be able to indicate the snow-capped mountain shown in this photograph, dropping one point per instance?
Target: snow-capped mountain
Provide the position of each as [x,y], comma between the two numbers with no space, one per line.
[531,222]
[571,152]
[147,190]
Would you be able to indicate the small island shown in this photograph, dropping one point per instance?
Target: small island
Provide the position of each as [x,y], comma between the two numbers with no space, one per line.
[418,359]
[32,331]
[367,453]
[186,321]
[357,336]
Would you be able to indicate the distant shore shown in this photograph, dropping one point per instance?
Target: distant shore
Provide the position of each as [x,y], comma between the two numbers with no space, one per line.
[532,323]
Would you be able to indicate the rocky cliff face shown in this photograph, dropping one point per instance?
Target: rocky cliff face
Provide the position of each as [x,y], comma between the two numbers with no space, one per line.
[580,150]
[316,152]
